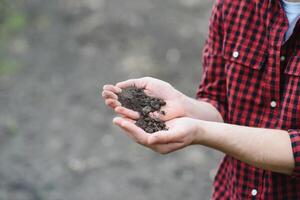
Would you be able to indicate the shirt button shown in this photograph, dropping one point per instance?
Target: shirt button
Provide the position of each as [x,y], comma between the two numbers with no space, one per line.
[282,58]
[235,54]
[254,192]
[273,104]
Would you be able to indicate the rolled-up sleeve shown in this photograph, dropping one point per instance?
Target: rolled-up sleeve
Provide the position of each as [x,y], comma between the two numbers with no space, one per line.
[212,88]
[295,140]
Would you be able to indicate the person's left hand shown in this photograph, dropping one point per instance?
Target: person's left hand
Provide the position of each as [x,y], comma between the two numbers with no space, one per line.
[175,100]
[182,132]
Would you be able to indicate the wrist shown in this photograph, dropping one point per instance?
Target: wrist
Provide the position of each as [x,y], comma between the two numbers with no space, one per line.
[201,132]
[186,103]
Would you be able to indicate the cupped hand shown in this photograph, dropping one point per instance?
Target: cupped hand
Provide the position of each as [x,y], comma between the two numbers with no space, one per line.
[152,87]
[182,132]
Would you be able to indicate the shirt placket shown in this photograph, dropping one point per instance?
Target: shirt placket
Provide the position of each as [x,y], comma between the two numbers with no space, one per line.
[272,80]
[277,27]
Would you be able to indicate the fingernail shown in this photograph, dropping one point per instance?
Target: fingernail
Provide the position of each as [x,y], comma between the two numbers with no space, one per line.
[117,109]
[118,89]
[104,86]
[124,123]
[115,120]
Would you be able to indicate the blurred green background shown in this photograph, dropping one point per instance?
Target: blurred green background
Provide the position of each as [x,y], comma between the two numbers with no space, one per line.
[57,141]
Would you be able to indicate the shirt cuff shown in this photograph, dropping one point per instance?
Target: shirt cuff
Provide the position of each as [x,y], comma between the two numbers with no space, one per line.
[295,140]
[220,107]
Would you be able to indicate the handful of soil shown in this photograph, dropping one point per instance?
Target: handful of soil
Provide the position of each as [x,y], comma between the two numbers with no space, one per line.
[135,99]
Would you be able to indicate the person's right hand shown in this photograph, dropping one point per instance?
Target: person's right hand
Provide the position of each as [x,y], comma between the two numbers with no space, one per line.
[174,107]
[182,132]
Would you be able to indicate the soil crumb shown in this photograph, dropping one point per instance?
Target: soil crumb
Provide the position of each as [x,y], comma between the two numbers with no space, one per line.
[135,99]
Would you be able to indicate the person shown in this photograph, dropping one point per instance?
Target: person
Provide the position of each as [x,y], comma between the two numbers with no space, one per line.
[248,102]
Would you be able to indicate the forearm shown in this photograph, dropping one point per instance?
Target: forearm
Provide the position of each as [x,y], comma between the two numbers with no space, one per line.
[200,110]
[269,149]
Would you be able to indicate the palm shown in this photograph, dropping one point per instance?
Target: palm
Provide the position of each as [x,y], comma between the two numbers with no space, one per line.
[171,96]
[181,125]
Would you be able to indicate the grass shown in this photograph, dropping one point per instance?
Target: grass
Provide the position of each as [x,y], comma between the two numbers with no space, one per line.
[12,22]
[9,67]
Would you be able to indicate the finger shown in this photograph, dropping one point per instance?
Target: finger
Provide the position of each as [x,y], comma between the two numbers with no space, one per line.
[167,148]
[120,120]
[164,137]
[112,103]
[108,94]
[134,132]
[127,112]
[139,83]
[112,88]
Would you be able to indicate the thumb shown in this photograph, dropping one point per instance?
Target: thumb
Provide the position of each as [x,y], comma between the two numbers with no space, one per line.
[139,83]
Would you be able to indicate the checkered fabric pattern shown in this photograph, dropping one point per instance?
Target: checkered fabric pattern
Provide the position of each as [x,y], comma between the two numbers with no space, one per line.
[253,78]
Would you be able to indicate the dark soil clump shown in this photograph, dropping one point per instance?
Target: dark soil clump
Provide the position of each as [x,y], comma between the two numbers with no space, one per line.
[135,99]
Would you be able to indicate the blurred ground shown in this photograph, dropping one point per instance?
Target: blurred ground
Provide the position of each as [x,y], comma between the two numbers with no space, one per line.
[56,137]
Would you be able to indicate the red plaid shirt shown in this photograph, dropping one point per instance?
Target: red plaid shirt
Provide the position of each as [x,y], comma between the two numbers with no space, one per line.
[253,78]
